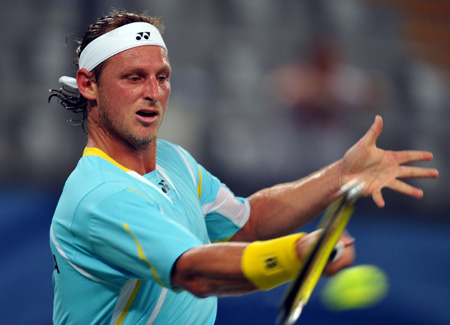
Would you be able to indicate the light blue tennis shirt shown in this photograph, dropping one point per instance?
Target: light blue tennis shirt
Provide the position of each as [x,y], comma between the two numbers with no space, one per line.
[116,235]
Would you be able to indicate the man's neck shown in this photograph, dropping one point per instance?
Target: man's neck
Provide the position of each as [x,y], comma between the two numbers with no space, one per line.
[142,161]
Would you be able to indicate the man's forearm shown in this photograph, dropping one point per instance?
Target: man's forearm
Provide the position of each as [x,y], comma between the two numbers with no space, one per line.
[212,270]
[284,208]
[224,269]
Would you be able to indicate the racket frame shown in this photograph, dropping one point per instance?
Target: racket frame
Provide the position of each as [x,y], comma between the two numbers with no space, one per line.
[333,223]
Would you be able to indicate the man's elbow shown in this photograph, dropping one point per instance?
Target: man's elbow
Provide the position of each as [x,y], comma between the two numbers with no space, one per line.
[198,288]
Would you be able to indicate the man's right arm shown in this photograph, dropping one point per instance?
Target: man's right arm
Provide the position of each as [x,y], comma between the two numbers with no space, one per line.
[226,269]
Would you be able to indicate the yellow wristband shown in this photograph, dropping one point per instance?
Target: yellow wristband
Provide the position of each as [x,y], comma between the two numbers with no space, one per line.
[267,264]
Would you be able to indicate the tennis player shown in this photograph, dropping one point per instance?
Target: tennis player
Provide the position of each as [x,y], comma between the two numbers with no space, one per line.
[142,233]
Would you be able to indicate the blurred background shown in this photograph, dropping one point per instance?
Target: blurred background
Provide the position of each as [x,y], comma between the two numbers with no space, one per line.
[263,91]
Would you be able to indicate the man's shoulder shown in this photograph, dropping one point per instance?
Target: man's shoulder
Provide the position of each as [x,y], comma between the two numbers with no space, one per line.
[96,175]
[170,152]
[97,169]
[165,146]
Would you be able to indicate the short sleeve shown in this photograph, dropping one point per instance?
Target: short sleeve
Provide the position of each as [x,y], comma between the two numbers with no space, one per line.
[224,213]
[129,230]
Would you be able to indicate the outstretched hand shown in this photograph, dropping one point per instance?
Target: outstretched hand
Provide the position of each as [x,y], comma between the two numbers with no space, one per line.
[379,168]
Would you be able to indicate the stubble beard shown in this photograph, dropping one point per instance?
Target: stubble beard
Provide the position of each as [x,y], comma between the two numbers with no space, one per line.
[123,134]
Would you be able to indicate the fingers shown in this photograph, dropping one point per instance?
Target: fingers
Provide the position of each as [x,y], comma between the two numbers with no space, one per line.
[407,156]
[375,130]
[378,198]
[406,189]
[398,186]
[346,239]
[382,168]
[306,243]
[345,260]
[416,172]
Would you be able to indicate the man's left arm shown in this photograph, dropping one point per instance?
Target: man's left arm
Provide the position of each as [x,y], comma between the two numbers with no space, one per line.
[284,208]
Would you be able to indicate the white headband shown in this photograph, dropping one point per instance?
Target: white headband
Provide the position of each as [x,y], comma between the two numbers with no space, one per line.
[114,42]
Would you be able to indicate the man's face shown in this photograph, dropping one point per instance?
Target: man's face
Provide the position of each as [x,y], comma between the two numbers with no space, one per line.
[132,94]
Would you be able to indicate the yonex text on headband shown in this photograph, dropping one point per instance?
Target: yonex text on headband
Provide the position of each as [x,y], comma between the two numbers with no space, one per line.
[114,42]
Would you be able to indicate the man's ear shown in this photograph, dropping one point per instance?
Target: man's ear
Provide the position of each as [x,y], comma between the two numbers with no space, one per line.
[86,85]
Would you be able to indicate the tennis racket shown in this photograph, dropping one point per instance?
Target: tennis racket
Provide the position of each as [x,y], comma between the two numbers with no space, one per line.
[332,224]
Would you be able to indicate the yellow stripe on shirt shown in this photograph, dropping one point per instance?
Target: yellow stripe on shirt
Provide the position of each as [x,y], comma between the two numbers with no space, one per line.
[142,255]
[99,153]
[129,302]
[221,240]
[199,187]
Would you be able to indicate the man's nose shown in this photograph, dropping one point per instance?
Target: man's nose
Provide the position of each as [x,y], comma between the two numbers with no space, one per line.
[152,89]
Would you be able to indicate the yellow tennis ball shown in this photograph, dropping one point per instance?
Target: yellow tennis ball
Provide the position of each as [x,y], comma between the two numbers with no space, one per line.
[357,287]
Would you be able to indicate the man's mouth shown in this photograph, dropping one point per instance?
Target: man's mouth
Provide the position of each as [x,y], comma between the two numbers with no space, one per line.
[147,113]
[147,116]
